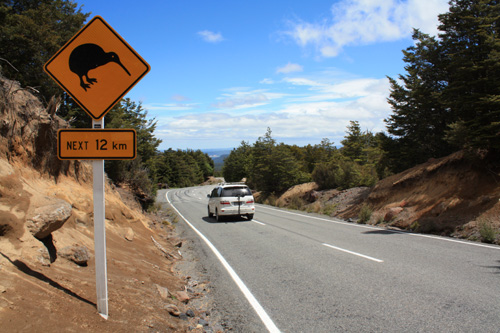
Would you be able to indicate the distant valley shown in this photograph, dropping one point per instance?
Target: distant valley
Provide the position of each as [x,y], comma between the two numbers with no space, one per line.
[218,155]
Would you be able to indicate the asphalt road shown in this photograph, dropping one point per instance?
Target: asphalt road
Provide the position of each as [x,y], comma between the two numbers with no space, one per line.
[291,271]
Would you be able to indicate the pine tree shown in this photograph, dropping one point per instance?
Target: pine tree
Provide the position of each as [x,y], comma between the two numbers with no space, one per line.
[419,119]
[450,97]
[32,31]
[470,40]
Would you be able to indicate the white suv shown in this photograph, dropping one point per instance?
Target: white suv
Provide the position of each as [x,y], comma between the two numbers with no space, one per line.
[231,199]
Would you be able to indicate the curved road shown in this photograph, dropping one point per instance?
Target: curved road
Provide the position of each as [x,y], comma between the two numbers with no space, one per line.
[291,271]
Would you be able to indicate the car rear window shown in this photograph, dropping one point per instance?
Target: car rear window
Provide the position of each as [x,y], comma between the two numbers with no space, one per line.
[236,192]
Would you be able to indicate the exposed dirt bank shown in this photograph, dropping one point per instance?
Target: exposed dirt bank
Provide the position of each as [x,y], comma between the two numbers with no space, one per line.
[458,195]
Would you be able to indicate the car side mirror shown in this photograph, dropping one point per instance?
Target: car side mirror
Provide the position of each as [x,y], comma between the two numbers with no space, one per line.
[208,195]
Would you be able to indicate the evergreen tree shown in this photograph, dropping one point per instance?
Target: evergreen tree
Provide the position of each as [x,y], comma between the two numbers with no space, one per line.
[419,119]
[236,165]
[273,168]
[353,142]
[450,98]
[32,31]
[470,40]
[140,173]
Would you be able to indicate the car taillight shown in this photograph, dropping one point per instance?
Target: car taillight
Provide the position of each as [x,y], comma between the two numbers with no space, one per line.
[249,202]
[224,203]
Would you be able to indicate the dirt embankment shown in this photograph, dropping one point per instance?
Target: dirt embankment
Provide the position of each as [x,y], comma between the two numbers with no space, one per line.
[457,195]
[38,294]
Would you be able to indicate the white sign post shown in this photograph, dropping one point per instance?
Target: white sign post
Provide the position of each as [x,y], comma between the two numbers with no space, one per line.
[101,274]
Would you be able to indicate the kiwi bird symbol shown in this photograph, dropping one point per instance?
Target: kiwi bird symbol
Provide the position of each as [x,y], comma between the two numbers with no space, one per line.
[86,57]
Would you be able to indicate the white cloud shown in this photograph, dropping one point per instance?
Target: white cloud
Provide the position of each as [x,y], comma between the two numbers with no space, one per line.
[240,98]
[267,81]
[180,98]
[211,37]
[241,101]
[289,68]
[318,109]
[170,106]
[362,22]
[301,81]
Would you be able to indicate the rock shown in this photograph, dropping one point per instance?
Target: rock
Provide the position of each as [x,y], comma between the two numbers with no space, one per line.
[182,296]
[76,253]
[392,213]
[190,313]
[129,235]
[163,291]
[183,316]
[173,310]
[46,219]
[313,195]
[203,322]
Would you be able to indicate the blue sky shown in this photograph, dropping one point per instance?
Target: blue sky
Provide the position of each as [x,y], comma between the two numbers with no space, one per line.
[222,71]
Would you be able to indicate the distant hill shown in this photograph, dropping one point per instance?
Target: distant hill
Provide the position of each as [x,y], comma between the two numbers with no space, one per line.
[218,155]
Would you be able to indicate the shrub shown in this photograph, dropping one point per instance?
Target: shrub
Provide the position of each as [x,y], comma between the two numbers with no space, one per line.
[487,232]
[365,214]
[343,174]
[415,226]
[329,209]
[296,202]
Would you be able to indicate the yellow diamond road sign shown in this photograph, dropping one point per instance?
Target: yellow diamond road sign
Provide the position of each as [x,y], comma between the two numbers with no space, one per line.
[97,67]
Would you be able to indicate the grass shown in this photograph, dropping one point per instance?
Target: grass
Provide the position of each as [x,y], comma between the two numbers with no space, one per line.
[415,226]
[487,231]
[297,203]
[172,214]
[329,209]
[365,214]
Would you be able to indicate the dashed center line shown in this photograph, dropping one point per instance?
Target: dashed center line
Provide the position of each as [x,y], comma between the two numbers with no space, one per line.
[354,253]
[340,249]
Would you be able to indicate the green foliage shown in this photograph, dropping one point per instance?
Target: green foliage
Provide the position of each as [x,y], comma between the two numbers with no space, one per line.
[487,232]
[360,162]
[419,118]
[273,168]
[236,165]
[297,203]
[365,214]
[472,45]
[450,97]
[178,168]
[329,209]
[343,173]
[31,31]
[415,226]
[140,173]
[353,143]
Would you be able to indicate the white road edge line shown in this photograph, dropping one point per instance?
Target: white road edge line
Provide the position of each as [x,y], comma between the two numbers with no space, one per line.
[244,289]
[395,231]
[355,253]
[258,222]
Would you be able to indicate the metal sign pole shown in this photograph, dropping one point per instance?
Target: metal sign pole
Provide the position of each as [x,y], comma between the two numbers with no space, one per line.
[100,232]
